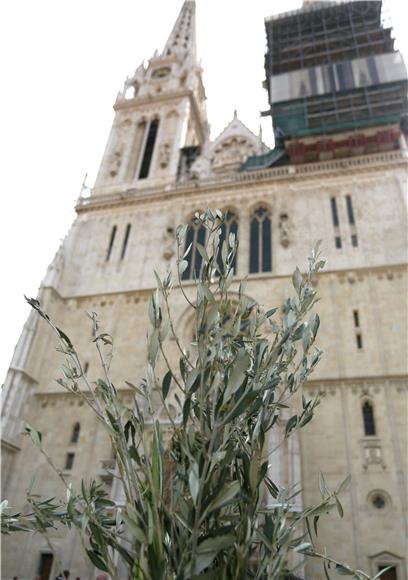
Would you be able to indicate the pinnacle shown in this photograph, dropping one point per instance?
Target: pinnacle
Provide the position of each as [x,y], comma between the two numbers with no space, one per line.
[182,40]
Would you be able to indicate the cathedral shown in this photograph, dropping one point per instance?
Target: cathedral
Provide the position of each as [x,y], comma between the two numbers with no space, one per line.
[336,90]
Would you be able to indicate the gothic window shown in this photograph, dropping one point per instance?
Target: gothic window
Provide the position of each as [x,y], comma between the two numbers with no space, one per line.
[352,222]
[350,212]
[336,222]
[125,241]
[260,254]
[148,150]
[230,226]
[335,215]
[111,242]
[75,433]
[359,336]
[69,461]
[390,574]
[195,234]
[368,419]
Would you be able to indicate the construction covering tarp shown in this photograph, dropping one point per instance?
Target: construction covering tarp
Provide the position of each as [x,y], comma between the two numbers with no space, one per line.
[263,161]
[343,76]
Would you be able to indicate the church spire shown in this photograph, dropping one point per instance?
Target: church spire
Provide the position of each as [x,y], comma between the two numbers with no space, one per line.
[182,40]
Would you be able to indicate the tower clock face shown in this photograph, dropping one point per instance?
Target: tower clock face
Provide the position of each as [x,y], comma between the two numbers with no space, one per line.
[161,73]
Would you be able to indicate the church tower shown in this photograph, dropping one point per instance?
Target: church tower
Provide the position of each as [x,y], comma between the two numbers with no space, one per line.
[160,110]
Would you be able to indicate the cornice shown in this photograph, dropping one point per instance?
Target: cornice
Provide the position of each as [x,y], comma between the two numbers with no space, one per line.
[23,372]
[289,174]
[357,381]
[252,278]
[150,100]
[124,104]
[10,445]
[358,385]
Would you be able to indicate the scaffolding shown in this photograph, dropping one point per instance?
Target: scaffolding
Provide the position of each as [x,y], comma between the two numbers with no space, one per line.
[332,33]
[336,42]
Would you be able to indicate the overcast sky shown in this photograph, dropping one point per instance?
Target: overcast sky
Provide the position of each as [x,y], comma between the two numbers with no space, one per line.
[63,62]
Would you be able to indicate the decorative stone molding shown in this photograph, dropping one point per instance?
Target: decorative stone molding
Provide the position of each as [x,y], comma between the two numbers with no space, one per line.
[372,452]
[372,163]
[168,243]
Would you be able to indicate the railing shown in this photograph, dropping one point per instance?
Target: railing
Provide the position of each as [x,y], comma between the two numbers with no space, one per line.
[288,171]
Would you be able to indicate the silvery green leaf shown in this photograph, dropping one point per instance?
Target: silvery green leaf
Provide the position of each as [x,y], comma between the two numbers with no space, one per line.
[297,280]
[225,496]
[153,346]
[134,529]
[186,253]
[344,570]
[166,384]
[237,376]
[344,484]
[182,266]
[36,436]
[193,482]
[192,378]
[339,507]
[202,251]
[216,543]
[204,560]
[303,546]
[322,484]
[204,291]
[291,319]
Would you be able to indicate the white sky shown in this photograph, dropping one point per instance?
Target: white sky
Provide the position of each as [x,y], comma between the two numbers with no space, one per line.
[63,62]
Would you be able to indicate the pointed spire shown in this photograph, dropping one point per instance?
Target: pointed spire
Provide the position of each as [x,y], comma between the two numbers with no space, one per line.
[182,39]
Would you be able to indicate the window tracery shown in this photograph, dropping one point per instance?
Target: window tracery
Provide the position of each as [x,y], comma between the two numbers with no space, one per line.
[260,253]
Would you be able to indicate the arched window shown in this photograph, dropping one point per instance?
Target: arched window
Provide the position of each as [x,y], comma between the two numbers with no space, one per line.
[368,418]
[111,242]
[260,254]
[149,148]
[229,226]
[125,241]
[75,433]
[195,233]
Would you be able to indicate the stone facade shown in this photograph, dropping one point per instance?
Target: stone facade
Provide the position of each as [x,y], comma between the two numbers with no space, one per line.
[125,229]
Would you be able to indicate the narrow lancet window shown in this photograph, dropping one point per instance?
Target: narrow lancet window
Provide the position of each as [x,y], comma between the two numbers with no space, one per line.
[75,433]
[350,212]
[195,234]
[335,214]
[368,418]
[230,226]
[260,252]
[125,242]
[111,242]
[148,150]
[69,461]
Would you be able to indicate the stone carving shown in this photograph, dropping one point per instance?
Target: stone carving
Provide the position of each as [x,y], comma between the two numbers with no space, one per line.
[284,230]
[168,243]
[372,454]
[200,168]
[116,162]
[122,138]
[164,155]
